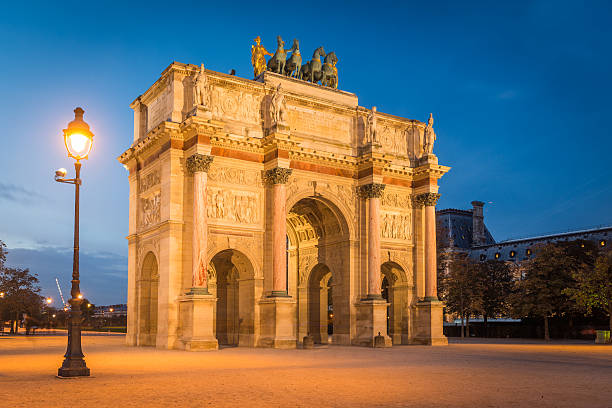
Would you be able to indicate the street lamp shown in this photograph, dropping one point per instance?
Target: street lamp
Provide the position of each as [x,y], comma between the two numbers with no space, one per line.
[78,140]
[48,300]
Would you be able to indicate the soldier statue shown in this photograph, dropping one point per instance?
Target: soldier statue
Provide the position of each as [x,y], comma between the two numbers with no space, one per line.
[258,57]
[278,108]
[200,89]
[429,136]
[371,136]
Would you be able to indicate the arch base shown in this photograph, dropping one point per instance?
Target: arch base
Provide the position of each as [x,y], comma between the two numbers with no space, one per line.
[429,330]
[371,321]
[196,313]
[278,323]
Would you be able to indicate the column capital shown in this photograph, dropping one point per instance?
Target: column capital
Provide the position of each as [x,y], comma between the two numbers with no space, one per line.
[277,175]
[373,190]
[427,199]
[198,163]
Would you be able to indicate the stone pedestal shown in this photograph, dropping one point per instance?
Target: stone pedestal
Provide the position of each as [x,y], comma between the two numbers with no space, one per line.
[196,316]
[201,112]
[428,324]
[278,323]
[371,320]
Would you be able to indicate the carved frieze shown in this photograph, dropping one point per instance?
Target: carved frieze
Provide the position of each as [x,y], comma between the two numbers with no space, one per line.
[232,175]
[151,210]
[235,206]
[236,104]
[393,139]
[396,200]
[149,181]
[396,226]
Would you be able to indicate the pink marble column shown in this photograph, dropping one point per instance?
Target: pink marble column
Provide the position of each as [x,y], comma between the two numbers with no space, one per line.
[429,200]
[373,192]
[199,164]
[277,178]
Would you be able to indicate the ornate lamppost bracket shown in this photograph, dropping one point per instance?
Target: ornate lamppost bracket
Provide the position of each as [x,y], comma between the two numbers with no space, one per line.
[373,190]
[277,175]
[199,163]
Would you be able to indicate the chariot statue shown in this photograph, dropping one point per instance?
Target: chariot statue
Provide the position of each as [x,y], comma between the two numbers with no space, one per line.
[329,72]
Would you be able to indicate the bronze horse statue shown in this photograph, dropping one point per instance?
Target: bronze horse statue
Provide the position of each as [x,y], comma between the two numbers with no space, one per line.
[294,63]
[277,62]
[311,71]
[329,72]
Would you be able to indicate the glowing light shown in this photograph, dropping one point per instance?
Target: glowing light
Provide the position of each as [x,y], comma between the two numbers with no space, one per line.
[80,296]
[77,137]
[89,305]
[48,300]
[1,294]
[54,316]
[111,310]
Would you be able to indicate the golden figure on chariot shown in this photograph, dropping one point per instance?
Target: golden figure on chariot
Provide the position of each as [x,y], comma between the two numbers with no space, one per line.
[258,57]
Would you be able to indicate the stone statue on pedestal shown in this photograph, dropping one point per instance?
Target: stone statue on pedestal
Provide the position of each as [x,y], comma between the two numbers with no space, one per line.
[370,131]
[200,89]
[278,107]
[429,137]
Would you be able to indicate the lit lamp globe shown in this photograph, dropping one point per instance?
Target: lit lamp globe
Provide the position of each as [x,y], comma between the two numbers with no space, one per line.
[77,137]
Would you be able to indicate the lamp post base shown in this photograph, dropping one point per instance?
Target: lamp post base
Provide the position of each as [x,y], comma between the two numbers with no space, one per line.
[73,367]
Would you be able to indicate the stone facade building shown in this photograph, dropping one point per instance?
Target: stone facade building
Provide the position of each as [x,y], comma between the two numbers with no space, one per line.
[259,209]
[465,230]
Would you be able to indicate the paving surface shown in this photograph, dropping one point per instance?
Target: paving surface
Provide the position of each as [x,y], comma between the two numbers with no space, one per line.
[470,374]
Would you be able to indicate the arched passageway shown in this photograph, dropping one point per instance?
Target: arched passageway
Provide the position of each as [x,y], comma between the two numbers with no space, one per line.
[318,269]
[232,282]
[397,291]
[148,287]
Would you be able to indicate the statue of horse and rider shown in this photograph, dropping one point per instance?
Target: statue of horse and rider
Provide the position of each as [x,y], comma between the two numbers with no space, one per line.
[313,71]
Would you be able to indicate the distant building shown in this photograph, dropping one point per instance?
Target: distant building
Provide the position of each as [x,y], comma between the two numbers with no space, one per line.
[465,230]
[110,311]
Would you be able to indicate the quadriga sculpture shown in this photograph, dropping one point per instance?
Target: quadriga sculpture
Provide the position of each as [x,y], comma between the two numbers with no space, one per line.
[311,71]
[329,72]
[276,64]
[294,63]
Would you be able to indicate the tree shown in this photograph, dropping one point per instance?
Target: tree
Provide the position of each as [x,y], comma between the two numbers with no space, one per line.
[543,291]
[493,286]
[21,292]
[457,276]
[594,286]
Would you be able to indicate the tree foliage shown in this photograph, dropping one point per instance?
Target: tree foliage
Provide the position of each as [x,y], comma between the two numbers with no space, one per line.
[594,286]
[493,283]
[548,277]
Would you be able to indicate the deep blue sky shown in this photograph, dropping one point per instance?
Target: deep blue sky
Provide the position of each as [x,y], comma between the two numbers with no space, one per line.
[521,94]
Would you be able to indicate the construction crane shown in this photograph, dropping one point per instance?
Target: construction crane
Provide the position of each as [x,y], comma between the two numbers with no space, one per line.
[60,292]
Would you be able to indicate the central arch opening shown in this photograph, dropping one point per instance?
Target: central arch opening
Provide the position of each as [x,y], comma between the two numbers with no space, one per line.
[148,288]
[318,266]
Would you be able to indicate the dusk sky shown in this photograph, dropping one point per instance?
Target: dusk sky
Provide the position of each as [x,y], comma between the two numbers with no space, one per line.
[520,93]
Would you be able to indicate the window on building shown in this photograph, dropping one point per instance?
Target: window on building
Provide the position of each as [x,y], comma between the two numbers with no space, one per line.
[483,257]
[602,243]
[512,254]
[497,255]
[528,251]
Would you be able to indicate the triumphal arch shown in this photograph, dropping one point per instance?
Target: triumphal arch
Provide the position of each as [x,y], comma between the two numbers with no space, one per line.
[263,211]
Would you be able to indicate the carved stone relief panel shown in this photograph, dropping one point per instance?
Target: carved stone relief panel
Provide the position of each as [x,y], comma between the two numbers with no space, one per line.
[396,200]
[237,105]
[393,139]
[230,175]
[149,181]
[150,210]
[234,206]
[395,225]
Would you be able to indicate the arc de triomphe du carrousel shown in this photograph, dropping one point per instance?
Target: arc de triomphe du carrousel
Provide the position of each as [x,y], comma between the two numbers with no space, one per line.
[263,211]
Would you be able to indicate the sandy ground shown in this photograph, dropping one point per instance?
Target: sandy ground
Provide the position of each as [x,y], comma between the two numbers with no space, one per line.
[469,374]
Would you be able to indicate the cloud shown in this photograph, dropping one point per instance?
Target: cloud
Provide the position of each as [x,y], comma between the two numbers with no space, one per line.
[12,192]
[103,274]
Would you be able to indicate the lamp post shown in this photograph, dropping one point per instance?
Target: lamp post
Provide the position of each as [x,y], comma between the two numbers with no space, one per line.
[78,140]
